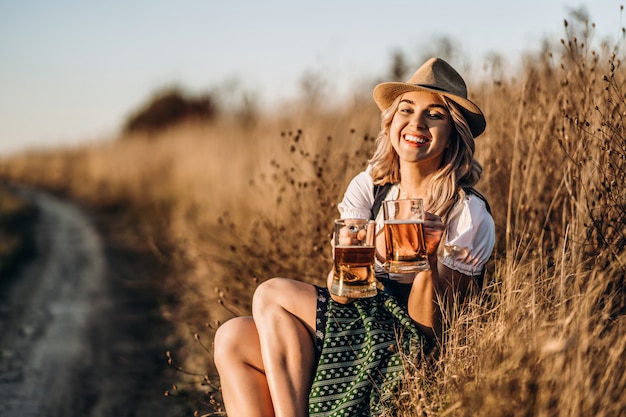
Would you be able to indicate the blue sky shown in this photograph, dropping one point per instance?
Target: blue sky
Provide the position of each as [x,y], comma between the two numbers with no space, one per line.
[71,71]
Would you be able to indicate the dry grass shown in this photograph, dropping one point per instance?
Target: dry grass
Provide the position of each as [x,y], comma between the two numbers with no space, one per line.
[230,204]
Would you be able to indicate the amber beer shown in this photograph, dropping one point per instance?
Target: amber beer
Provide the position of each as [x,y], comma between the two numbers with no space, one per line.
[404,236]
[354,269]
[406,248]
[354,254]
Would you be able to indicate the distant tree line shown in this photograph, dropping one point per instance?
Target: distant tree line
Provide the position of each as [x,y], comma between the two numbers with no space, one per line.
[168,108]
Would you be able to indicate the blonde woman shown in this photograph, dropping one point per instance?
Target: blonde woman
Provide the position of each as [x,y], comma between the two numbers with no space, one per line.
[307,352]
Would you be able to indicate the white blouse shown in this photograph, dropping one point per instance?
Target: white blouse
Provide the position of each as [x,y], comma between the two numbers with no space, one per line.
[470,232]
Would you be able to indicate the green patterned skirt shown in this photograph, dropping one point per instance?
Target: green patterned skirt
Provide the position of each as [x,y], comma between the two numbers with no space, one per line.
[362,356]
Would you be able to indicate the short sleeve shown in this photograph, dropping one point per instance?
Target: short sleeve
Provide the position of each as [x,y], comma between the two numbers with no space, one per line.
[470,237]
[358,198]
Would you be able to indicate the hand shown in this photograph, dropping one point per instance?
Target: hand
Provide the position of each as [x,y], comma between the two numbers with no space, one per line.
[347,235]
[433,231]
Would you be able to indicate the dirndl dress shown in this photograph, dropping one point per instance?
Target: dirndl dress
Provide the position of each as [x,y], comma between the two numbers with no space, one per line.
[363,352]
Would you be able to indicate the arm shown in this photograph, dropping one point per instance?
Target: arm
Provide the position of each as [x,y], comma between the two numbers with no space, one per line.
[438,289]
[423,305]
[439,285]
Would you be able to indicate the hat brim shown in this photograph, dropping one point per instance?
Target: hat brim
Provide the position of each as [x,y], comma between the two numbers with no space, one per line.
[386,93]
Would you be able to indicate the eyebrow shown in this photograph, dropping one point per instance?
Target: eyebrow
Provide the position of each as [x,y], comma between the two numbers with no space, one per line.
[432,105]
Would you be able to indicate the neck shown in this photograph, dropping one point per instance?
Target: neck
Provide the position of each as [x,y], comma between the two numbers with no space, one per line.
[415,181]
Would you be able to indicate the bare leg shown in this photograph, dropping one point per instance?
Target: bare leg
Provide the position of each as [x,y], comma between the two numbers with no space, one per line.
[238,361]
[284,314]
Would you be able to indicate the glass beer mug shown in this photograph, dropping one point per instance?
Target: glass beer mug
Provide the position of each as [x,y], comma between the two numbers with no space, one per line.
[404,236]
[354,257]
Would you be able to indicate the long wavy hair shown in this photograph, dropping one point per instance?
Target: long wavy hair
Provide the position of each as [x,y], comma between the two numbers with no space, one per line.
[459,171]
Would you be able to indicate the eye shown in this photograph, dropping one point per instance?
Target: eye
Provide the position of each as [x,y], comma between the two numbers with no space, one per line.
[435,115]
[405,110]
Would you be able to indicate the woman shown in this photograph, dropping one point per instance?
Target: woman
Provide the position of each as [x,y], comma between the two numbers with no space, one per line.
[267,362]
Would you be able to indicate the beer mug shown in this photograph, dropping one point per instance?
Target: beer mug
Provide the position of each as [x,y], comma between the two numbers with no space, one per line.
[404,236]
[354,257]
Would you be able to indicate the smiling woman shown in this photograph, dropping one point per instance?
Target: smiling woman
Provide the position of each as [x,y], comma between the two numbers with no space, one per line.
[311,352]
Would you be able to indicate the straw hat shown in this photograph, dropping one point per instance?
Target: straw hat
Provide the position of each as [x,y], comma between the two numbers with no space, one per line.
[436,76]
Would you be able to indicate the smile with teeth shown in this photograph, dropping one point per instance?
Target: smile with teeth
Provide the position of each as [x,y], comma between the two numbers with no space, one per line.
[415,139]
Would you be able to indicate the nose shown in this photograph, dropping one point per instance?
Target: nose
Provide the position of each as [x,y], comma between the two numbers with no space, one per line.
[418,120]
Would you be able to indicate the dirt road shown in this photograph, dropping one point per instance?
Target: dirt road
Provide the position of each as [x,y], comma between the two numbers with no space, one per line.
[80,333]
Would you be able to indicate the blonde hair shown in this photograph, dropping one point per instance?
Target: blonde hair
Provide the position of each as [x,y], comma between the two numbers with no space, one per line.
[459,171]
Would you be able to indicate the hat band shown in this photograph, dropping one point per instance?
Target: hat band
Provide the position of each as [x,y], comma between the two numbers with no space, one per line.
[433,87]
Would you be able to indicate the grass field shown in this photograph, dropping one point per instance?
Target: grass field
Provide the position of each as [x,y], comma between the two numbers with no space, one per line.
[229,204]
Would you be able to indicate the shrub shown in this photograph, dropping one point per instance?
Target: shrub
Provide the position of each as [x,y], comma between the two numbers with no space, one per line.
[170,107]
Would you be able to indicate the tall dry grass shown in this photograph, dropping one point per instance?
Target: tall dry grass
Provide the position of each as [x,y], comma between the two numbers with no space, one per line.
[229,204]
[547,337]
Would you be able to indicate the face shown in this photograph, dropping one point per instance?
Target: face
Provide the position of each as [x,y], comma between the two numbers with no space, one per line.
[420,129]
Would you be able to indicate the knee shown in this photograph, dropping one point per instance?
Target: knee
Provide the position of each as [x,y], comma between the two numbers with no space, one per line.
[228,339]
[278,297]
[267,295]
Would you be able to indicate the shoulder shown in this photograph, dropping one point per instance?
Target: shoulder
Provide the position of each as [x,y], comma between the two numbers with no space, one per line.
[359,196]
[364,179]
[362,185]
[471,210]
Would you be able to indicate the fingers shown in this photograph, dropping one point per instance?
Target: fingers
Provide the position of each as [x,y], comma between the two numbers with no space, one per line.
[433,231]
[348,237]
[433,221]
[345,237]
